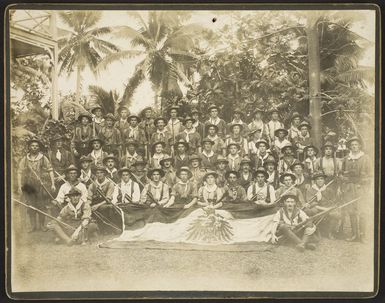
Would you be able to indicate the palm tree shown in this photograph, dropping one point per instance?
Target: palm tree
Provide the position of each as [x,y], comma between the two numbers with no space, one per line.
[167,45]
[108,100]
[83,47]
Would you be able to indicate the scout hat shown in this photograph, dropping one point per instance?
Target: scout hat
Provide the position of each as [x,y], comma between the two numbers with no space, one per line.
[352,139]
[161,162]
[293,177]
[310,146]
[227,174]
[35,140]
[288,146]
[212,125]
[124,169]
[152,171]
[100,168]
[186,145]
[277,131]
[262,141]
[94,139]
[186,169]
[270,160]
[221,159]
[72,168]
[207,140]
[295,115]
[274,110]
[245,160]
[258,110]
[328,144]
[95,108]
[110,116]
[210,173]
[139,161]
[195,111]
[156,143]
[261,170]
[236,124]
[318,174]
[234,144]
[133,116]
[132,142]
[212,106]
[297,162]
[122,108]
[156,120]
[108,157]
[176,107]
[85,159]
[188,118]
[73,192]
[194,157]
[305,124]
[287,196]
[84,115]
[238,111]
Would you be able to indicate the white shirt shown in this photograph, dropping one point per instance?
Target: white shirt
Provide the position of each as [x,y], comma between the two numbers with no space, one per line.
[294,222]
[273,126]
[65,189]
[261,192]
[132,191]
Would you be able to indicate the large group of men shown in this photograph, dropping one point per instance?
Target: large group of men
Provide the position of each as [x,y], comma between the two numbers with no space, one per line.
[185,162]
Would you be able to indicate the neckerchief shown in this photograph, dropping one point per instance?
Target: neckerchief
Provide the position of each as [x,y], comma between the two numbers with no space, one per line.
[214,121]
[208,155]
[188,132]
[318,191]
[356,156]
[37,158]
[85,176]
[75,209]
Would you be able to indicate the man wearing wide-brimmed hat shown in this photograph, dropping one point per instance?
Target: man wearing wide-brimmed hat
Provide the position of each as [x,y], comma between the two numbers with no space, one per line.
[287,181]
[98,119]
[356,176]
[260,192]
[198,125]
[302,179]
[131,153]
[184,193]
[263,153]
[235,192]
[111,136]
[85,170]
[233,156]
[97,154]
[258,123]
[122,122]
[169,171]
[221,169]
[174,125]
[310,153]
[280,141]
[158,154]
[219,146]
[147,124]
[134,133]
[196,169]
[155,192]
[60,157]
[161,134]
[303,139]
[111,163]
[139,172]
[271,165]
[327,162]
[34,174]
[181,148]
[287,159]
[190,135]
[295,121]
[274,123]
[216,120]
[127,190]
[209,157]
[210,193]
[82,135]
[237,119]
[246,175]
[236,137]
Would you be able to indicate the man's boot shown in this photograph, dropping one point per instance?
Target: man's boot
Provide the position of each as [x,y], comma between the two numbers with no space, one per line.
[354,228]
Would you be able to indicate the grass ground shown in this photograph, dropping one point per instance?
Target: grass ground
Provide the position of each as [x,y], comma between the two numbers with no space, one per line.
[40,265]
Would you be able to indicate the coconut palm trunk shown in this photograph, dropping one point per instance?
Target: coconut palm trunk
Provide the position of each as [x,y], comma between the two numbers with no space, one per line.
[78,82]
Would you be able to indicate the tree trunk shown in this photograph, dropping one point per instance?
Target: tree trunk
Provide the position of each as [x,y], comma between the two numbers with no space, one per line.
[314,77]
[78,83]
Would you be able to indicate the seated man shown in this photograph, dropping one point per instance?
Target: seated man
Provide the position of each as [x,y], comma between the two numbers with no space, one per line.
[289,187]
[210,194]
[246,175]
[184,193]
[235,192]
[126,191]
[139,172]
[86,175]
[190,136]
[287,159]
[155,192]
[303,139]
[221,169]
[197,170]
[260,192]
[97,154]
[285,221]
[209,157]
[181,157]
[212,134]
[77,214]
[310,155]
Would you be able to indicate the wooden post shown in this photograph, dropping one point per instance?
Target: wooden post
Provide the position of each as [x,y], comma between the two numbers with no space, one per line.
[314,76]
[54,73]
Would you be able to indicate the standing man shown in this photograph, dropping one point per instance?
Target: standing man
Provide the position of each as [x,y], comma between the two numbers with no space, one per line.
[197,171]
[258,123]
[59,157]
[98,119]
[190,136]
[130,155]
[148,127]
[86,175]
[122,123]
[287,159]
[246,175]
[34,172]
[208,156]
[303,139]
[219,146]
[181,157]
[80,144]
[274,124]
[238,115]
[214,119]
[199,127]
[295,121]
[174,125]
[262,154]
[233,156]
[161,134]
[111,136]
[97,154]
[134,133]
[236,137]
[328,163]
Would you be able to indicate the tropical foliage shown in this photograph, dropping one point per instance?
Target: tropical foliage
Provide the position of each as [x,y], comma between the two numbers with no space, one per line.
[108,100]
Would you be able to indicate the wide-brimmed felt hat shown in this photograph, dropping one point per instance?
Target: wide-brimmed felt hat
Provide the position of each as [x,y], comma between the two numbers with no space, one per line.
[352,139]
[310,146]
[108,157]
[258,110]
[274,110]
[280,130]
[186,169]
[212,125]
[124,169]
[95,108]
[328,144]
[35,140]
[122,108]
[85,159]
[195,111]
[261,170]
[288,146]
[159,142]
[84,115]
[293,177]
[100,168]
[176,107]
[295,115]
[262,141]
[234,144]
[161,162]
[130,117]
[245,160]
[319,174]
[110,116]
[156,120]
[152,171]
[188,118]
[236,124]
[287,196]
[270,160]
[207,140]
[72,168]
[194,157]
[186,145]
[297,162]
[239,111]
[306,124]
[221,159]
[73,192]
[139,161]
[94,139]
[210,173]
[131,142]
[227,174]
[212,106]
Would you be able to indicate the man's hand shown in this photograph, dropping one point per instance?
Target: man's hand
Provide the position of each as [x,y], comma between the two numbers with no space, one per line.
[274,239]
[53,187]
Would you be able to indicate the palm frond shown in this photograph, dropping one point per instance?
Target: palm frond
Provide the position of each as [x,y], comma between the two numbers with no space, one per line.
[358,74]
[133,83]
[129,32]
[118,56]
[104,98]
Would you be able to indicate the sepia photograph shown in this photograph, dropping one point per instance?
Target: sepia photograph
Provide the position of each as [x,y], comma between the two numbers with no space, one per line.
[192,152]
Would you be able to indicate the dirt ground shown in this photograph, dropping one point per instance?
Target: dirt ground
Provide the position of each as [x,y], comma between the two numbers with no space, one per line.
[40,265]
